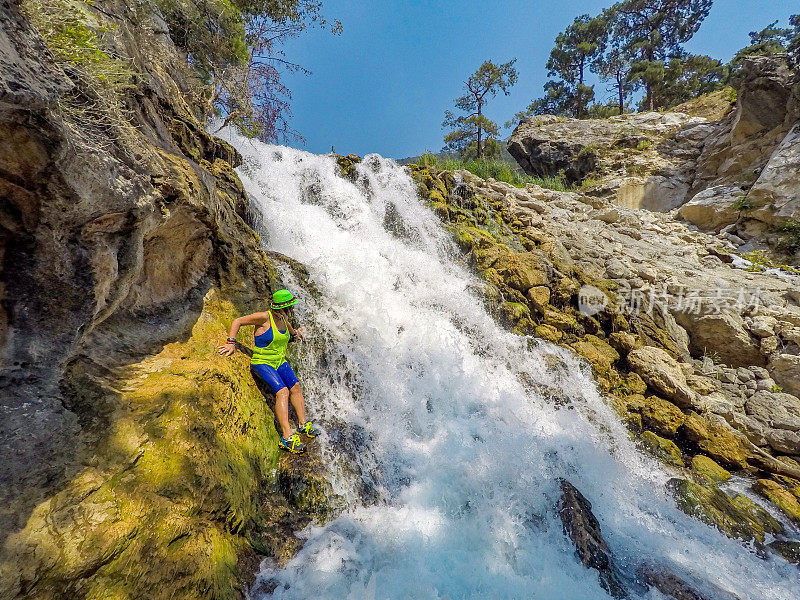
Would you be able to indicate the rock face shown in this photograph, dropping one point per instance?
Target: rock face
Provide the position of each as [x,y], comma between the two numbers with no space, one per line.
[122,474]
[732,170]
[679,338]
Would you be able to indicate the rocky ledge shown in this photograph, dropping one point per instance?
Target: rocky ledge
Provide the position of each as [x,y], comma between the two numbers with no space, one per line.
[727,162]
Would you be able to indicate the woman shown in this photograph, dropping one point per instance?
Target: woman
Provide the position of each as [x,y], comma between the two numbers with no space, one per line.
[273,333]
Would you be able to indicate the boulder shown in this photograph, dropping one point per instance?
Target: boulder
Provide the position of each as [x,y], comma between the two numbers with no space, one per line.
[717,439]
[713,208]
[658,415]
[662,373]
[785,370]
[672,586]
[539,296]
[713,506]
[790,551]
[723,335]
[599,354]
[775,410]
[662,448]
[706,467]
[582,528]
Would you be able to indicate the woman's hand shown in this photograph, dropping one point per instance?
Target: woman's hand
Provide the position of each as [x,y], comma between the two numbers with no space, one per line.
[227,349]
[299,333]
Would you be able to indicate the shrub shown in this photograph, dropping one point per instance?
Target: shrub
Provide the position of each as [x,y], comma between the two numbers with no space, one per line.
[789,240]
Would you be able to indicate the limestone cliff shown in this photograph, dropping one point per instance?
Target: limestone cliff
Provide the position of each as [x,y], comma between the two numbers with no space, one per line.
[727,162]
[136,463]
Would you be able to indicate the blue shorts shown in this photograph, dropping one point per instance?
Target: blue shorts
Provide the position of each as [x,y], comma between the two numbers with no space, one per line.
[278,379]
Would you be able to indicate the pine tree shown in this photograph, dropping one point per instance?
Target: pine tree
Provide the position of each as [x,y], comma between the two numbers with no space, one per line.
[576,48]
[653,32]
[470,129]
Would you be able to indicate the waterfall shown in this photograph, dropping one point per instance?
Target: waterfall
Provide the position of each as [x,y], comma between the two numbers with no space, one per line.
[460,428]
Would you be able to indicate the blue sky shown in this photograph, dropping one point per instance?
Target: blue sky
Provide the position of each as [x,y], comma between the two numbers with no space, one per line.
[384,83]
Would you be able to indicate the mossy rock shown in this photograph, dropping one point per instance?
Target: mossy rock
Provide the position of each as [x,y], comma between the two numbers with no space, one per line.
[662,448]
[633,384]
[712,506]
[549,333]
[706,467]
[539,297]
[716,440]
[658,415]
[758,514]
[515,311]
[560,320]
[599,354]
[780,497]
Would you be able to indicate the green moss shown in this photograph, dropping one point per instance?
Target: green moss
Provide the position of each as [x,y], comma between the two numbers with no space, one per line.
[712,506]
[662,448]
[644,145]
[743,203]
[789,240]
[706,467]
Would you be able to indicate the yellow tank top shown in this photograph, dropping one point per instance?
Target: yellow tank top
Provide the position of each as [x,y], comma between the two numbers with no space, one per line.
[270,346]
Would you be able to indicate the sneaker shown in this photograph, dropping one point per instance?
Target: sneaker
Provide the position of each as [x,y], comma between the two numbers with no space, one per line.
[308,429]
[292,444]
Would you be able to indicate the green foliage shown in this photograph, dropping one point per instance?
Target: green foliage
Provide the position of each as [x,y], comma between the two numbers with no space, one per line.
[743,203]
[575,49]
[789,240]
[644,145]
[651,33]
[495,169]
[770,40]
[470,131]
[681,79]
[75,36]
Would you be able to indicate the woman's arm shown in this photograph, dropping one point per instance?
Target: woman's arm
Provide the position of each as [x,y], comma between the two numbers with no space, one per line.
[229,347]
[295,333]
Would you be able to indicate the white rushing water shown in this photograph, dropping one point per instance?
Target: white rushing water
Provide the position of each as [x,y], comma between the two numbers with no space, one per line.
[451,420]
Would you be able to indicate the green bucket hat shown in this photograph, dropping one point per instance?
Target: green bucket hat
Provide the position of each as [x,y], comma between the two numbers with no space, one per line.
[282,299]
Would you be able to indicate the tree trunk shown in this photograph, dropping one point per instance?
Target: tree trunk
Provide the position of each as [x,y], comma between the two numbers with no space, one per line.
[480,131]
[650,97]
[621,96]
[579,95]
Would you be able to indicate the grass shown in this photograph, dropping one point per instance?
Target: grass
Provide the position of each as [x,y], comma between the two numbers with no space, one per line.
[491,168]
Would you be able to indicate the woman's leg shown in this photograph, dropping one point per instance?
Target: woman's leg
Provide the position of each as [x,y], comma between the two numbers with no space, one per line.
[299,406]
[290,379]
[271,377]
[282,411]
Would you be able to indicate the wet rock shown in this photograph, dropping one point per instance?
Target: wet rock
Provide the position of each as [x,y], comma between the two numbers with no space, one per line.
[662,448]
[658,415]
[712,506]
[781,497]
[673,586]
[717,439]
[788,550]
[582,528]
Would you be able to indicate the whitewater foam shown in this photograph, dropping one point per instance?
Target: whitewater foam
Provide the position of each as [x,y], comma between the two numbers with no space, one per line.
[458,433]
